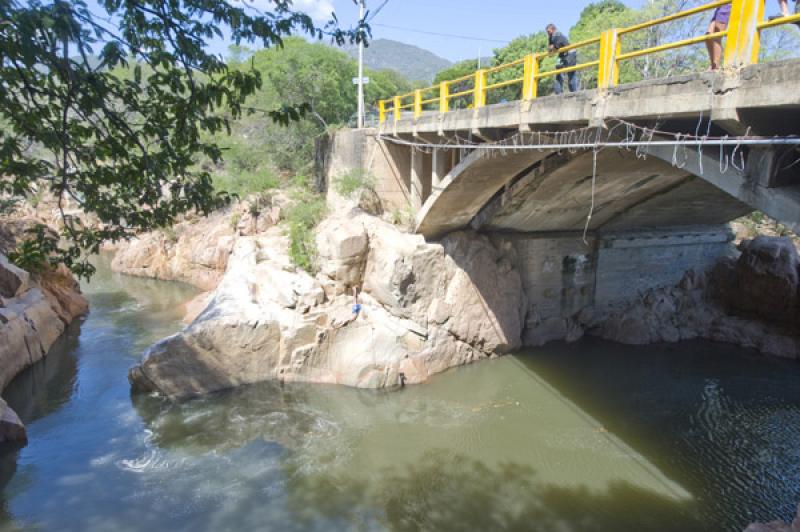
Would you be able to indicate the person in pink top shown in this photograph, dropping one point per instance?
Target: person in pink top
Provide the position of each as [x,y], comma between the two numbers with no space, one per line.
[719,22]
[785,9]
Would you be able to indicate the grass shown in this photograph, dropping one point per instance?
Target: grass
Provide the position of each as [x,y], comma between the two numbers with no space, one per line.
[244,183]
[349,184]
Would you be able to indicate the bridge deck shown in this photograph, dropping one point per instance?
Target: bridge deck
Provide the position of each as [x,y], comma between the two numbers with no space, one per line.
[753,97]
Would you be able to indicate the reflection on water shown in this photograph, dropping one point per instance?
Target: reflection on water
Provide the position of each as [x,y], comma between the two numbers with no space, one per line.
[586,437]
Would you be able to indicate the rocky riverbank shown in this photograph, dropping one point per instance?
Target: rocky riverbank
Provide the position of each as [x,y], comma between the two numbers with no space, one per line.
[35,308]
[34,311]
[426,306]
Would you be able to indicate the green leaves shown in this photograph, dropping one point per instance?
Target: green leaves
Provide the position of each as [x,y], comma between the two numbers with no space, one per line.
[125,148]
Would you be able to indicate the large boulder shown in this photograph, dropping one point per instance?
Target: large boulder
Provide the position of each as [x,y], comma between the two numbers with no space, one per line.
[11,428]
[425,308]
[764,281]
[342,246]
[63,293]
[464,284]
[29,326]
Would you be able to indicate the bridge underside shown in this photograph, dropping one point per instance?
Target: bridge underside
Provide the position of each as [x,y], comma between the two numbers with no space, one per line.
[550,192]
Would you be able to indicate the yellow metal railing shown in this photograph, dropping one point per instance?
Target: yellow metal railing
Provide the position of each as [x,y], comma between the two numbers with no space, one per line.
[742,46]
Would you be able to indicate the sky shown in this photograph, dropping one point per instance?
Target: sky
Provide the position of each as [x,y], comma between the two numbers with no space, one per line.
[496,21]
[466,28]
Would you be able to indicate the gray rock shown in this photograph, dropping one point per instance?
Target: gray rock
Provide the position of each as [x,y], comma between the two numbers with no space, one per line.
[14,281]
[11,428]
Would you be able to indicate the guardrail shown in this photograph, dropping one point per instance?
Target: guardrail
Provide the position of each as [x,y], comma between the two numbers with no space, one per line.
[741,49]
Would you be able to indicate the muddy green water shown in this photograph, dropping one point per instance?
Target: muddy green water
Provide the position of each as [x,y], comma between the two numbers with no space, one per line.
[591,436]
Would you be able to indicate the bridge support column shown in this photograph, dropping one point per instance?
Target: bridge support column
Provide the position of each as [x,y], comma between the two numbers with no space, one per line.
[441,166]
[421,173]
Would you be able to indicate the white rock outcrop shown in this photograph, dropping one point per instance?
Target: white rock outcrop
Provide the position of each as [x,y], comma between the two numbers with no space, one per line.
[426,308]
[196,250]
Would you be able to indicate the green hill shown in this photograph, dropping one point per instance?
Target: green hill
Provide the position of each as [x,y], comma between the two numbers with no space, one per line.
[413,62]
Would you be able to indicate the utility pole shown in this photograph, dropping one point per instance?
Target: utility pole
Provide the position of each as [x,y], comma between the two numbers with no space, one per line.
[362,6]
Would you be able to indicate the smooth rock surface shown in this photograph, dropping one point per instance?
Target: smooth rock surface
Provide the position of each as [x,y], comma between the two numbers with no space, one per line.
[196,250]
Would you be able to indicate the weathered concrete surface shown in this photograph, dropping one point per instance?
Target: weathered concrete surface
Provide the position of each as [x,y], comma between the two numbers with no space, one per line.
[629,192]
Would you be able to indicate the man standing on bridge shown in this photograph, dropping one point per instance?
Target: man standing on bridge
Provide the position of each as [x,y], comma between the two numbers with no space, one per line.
[565,59]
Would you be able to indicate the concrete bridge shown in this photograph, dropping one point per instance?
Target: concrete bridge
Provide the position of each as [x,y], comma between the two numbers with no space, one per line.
[656,185]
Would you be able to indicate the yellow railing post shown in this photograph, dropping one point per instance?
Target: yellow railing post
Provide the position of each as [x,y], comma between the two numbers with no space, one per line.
[608,70]
[417,103]
[743,43]
[444,97]
[398,102]
[531,71]
[382,110]
[479,98]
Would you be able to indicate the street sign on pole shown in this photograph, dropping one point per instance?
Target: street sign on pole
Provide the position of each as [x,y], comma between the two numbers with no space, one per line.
[360,80]
[364,80]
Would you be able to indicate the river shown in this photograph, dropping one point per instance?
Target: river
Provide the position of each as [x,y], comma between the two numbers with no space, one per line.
[586,437]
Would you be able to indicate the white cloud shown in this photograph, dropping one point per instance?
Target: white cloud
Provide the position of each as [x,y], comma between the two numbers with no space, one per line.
[319,10]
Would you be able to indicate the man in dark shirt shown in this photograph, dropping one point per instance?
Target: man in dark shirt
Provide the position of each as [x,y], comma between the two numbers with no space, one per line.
[565,59]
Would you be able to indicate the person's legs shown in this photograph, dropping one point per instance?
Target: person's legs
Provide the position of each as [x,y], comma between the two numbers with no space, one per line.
[573,81]
[558,86]
[715,45]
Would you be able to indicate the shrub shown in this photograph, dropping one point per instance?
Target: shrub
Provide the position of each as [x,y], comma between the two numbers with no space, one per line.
[236,217]
[35,254]
[302,218]
[8,206]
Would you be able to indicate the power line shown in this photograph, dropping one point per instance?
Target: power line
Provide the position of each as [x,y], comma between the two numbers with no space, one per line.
[441,34]
[377,10]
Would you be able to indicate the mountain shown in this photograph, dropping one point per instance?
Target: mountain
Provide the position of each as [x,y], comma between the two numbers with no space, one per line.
[413,62]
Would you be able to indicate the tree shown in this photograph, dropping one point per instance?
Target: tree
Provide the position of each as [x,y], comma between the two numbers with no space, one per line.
[300,73]
[125,147]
